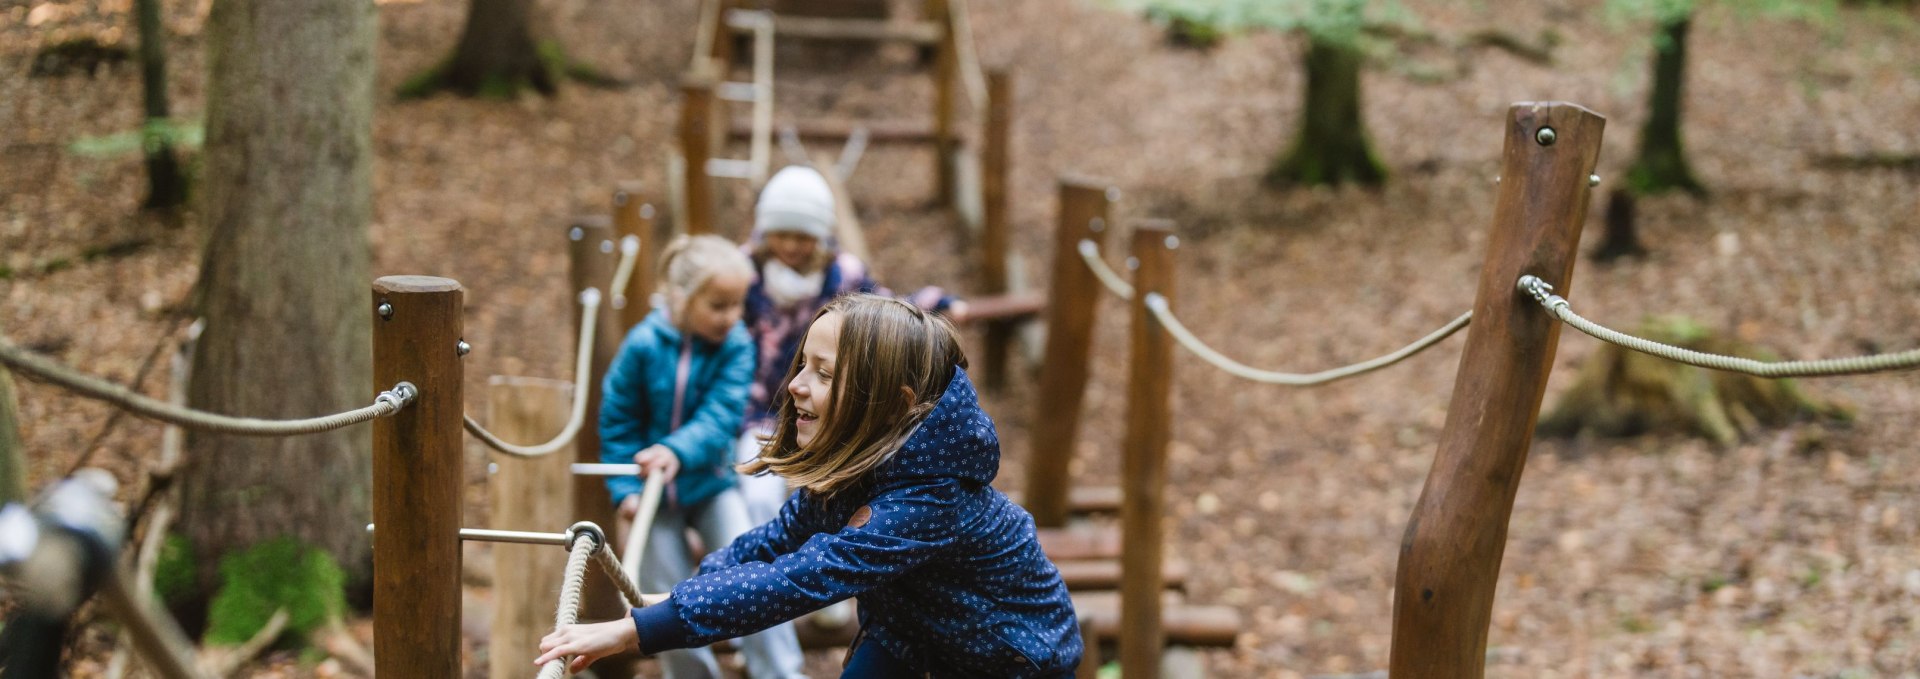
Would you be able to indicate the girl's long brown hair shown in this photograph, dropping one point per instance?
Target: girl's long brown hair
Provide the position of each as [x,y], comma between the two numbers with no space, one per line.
[891,366]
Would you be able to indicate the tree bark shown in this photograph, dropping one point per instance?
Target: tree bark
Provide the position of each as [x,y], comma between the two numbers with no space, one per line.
[1332,146]
[282,282]
[166,185]
[1662,164]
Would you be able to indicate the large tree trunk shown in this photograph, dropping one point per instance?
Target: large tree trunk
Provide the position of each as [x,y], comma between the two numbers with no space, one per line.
[497,54]
[1662,165]
[1332,147]
[166,185]
[283,279]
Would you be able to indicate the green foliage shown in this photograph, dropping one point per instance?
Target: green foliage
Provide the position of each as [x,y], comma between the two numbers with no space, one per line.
[1339,21]
[151,136]
[278,573]
[173,571]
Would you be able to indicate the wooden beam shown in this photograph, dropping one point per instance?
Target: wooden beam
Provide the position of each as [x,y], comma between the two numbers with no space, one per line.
[871,30]
[1182,624]
[878,132]
[1450,555]
[1104,575]
[1144,466]
[994,235]
[1072,298]
[530,494]
[417,475]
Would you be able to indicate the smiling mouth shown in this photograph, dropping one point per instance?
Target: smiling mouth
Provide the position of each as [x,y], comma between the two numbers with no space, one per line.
[805,417]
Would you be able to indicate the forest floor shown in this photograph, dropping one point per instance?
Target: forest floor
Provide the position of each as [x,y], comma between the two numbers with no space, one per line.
[1794,553]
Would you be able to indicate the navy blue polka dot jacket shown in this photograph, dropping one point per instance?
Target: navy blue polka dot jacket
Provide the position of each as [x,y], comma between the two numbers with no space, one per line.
[949,572]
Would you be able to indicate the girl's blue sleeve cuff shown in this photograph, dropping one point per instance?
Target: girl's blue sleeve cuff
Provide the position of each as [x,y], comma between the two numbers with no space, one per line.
[660,628]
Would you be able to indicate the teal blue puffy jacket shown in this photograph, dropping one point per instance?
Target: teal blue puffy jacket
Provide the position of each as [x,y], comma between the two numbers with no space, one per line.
[637,402]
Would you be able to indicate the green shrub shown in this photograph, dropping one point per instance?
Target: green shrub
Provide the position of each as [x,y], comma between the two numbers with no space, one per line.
[275,574]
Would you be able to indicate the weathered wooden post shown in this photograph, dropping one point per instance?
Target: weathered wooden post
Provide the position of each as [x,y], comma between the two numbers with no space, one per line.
[633,216]
[993,231]
[1072,298]
[1143,471]
[1450,556]
[417,476]
[591,262]
[946,69]
[696,146]
[530,494]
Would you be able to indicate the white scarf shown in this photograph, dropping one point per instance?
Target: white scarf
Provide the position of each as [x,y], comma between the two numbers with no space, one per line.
[787,287]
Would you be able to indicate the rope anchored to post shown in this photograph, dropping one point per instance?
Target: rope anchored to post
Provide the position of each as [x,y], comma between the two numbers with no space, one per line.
[386,403]
[582,366]
[1157,304]
[1090,253]
[1558,306]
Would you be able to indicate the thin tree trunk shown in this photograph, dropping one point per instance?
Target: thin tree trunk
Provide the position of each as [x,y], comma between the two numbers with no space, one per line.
[1332,146]
[1662,165]
[13,460]
[166,185]
[1621,238]
[283,279]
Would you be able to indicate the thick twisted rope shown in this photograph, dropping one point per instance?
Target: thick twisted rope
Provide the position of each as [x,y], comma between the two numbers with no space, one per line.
[386,403]
[582,367]
[1090,253]
[1157,303]
[569,610]
[610,565]
[1559,307]
[629,253]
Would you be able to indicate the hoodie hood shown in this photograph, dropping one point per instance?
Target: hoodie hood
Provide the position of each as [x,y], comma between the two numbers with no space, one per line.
[955,441]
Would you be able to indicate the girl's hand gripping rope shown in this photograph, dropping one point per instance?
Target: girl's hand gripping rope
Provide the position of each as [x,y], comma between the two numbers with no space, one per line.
[587,643]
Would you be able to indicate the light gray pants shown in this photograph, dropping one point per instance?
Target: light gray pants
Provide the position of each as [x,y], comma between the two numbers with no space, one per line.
[773,653]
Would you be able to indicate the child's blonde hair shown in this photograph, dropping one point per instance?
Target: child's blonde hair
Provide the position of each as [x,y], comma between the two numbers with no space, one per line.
[892,364]
[690,261]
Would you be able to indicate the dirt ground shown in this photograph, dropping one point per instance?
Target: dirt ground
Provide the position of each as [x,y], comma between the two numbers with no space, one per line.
[1793,554]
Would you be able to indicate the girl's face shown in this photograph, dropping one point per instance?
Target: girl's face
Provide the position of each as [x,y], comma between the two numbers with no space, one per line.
[795,250]
[715,307]
[812,385]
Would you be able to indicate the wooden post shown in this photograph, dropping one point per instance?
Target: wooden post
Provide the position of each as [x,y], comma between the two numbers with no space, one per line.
[417,478]
[1450,555]
[1073,297]
[632,216]
[696,146]
[13,458]
[1144,468]
[993,233]
[945,73]
[530,494]
[591,259]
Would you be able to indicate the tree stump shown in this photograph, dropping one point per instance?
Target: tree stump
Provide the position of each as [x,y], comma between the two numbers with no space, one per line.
[1620,392]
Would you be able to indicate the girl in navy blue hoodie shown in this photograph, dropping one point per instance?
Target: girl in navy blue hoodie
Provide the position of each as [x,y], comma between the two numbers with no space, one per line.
[884,436]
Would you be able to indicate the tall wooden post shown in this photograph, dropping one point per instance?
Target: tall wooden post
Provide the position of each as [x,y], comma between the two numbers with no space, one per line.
[946,69]
[993,231]
[417,476]
[1072,298]
[696,146]
[591,258]
[633,216]
[1450,555]
[1143,471]
[530,494]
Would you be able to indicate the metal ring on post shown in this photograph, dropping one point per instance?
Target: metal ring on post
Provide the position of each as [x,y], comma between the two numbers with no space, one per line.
[590,528]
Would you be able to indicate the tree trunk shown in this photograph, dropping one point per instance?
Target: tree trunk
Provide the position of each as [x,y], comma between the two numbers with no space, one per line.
[1332,147]
[166,185]
[497,55]
[1621,239]
[283,280]
[1662,165]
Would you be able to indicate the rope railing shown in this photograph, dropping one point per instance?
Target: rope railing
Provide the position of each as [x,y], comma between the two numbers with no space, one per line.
[568,611]
[1558,306]
[384,404]
[1157,303]
[1090,253]
[582,367]
[623,273]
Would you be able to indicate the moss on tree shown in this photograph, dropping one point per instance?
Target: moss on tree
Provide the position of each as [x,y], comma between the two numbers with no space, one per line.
[1620,392]
[277,574]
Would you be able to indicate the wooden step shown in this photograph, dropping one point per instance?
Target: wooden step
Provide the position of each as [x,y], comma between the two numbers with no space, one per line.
[878,131]
[824,28]
[1100,575]
[1080,543]
[1085,499]
[1185,624]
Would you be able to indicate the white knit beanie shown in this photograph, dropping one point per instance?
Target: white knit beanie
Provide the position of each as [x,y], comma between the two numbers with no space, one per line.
[796,200]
